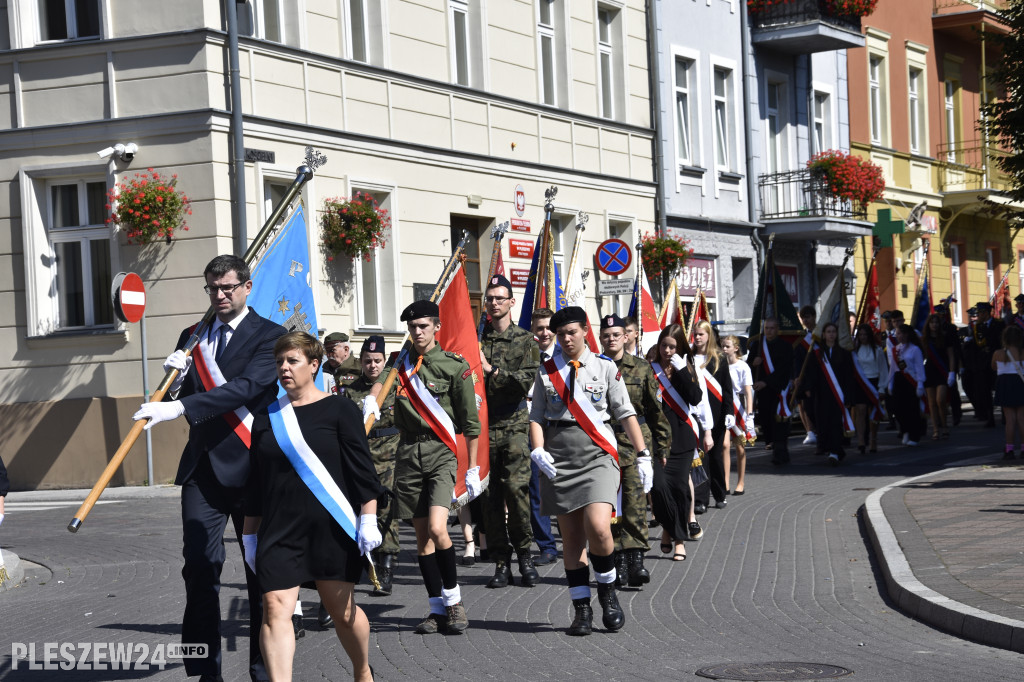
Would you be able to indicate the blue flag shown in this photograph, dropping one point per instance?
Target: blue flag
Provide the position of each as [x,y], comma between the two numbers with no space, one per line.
[526,314]
[282,281]
[923,306]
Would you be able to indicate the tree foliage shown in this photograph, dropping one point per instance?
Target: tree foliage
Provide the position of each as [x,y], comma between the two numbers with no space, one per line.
[1003,119]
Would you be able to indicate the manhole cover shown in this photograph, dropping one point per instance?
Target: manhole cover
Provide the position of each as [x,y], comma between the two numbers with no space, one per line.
[774,671]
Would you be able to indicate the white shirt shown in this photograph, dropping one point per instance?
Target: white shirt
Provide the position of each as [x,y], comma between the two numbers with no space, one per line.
[214,333]
[741,377]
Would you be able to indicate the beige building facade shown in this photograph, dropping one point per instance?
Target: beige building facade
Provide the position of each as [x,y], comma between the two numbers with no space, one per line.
[438,108]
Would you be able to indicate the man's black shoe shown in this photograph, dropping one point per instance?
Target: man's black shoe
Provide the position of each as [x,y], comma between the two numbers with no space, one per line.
[621,568]
[529,574]
[583,623]
[638,573]
[300,631]
[545,558]
[502,574]
[612,616]
[323,618]
[699,508]
[385,575]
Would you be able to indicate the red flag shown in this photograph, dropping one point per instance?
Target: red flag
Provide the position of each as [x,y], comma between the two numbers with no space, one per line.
[699,312]
[499,266]
[672,311]
[871,312]
[458,335]
[1002,302]
[648,313]
[591,340]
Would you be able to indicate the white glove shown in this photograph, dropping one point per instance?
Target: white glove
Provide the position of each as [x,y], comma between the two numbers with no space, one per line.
[678,363]
[730,421]
[473,485]
[544,461]
[646,470]
[920,390]
[181,362]
[159,412]
[751,433]
[249,547]
[951,379]
[369,537]
[370,407]
[1,519]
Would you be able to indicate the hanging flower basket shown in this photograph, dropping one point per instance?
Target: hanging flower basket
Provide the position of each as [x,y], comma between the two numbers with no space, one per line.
[763,5]
[851,8]
[354,227]
[148,207]
[664,256]
[849,177]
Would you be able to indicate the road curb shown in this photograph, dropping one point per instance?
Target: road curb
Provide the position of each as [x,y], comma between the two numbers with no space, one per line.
[924,603]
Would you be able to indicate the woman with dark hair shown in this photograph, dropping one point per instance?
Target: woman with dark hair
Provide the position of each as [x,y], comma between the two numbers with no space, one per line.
[906,384]
[311,503]
[869,356]
[938,373]
[829,386]
[1008,362]
[680,396]
[716,384]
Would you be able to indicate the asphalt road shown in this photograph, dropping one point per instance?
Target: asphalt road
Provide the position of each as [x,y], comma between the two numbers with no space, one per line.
[784,573]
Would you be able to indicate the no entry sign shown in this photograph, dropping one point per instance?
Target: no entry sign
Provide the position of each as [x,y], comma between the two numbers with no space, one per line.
[613,257]
[129,297]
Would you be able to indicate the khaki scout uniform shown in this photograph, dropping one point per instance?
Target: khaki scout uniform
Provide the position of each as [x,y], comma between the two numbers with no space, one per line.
[425,467]
[383,439]
[631,531]
[517,358]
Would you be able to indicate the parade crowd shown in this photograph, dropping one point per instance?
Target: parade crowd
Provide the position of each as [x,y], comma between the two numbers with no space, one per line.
[603,446]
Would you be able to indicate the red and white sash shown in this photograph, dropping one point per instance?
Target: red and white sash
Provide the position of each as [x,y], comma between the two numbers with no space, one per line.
[877,414]
[739,429]
[766,357]
[712,388]
[833,384]
[783,412]
[671,396]
[210,375]
[557,370]
[427,406]
[921,404]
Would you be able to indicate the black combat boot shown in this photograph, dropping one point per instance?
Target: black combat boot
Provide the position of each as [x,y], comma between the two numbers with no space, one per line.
[583,623]
[502,572]
[612,616]
[385,574]
[638,575]
[527,570]
[621,567]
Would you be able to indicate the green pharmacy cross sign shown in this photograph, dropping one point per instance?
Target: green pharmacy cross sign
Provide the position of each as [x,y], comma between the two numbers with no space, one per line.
[886,227]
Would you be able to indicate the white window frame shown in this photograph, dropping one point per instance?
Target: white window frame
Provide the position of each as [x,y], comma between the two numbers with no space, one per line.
[782,140]
[362,29]
[990,272]
[455,8]
[950,101]
[547,74]
[291,18]
[915,76]
[387,273]
[917,61]
[71,25]
[876,100]
[693,92]
[954,273]
[723,129]
[827,121]
[41,301]
[610,60]
[26,25]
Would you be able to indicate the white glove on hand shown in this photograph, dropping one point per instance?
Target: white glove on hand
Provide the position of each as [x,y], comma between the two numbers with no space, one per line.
[920,390]
[544,461]
[473,485]
[249,547]
[751,432]
[369,537]
[370,407]
[730,421]
[1,519]
[951,379]
[159,412]
[678,363]
[646,470]
[181,362]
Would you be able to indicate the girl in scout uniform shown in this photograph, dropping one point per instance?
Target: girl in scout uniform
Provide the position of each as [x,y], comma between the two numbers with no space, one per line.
[575,449]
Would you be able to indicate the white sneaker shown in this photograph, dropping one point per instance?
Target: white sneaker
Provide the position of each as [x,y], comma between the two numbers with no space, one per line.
[906,439]
[911,443]
[811,439]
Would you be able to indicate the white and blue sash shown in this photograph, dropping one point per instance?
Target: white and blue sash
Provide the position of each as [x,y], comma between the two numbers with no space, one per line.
[308,466]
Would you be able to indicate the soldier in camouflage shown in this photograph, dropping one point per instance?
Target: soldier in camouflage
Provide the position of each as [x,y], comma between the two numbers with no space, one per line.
[341,368]
[510,359]
[631,532]
[383,439]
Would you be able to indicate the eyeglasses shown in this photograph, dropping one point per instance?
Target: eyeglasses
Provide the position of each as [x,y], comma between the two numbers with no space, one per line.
[227,289]
[497,299]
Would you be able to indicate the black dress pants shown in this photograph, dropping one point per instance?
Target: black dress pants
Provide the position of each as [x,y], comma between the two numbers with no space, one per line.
[670,496]
[776,431]
[206,507]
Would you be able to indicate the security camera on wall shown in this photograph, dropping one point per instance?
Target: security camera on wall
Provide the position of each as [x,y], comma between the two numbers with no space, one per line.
[124,152]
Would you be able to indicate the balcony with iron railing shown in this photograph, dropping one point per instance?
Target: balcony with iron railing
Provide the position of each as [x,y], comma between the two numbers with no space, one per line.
[971,166]
[961,18]
[799,204]
[804,27]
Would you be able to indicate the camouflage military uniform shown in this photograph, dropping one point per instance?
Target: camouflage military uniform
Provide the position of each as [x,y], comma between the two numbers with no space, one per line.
[383,440]
[347,372]
[517,358]
[425,467]
[631,530]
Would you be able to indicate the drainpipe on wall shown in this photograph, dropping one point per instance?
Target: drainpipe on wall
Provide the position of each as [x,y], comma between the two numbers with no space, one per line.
[241,232]
[748,141]
[654,78]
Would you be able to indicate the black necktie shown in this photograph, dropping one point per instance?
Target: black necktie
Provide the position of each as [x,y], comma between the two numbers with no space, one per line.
[222,341]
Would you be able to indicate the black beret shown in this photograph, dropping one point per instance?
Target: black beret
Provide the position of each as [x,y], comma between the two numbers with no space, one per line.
[1019,297]
[887,315]
[984,305]
[418,309]
[373,344]
[499,281]
[940,308]
[612,321]
[898,314]
[568,316]
[972,311]
[336,337]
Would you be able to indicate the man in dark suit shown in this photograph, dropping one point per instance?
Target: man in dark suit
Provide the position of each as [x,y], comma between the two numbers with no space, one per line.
[233,375]
[772,375]
[984,339]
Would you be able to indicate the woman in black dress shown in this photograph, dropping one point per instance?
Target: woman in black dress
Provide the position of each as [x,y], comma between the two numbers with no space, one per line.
[716,377]
[938,373]
[679,393]
[299,540]
[830,387]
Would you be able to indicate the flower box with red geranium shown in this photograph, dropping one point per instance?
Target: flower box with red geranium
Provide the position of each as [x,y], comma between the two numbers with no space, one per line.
[354,227]
[835,8]
[148,207]
[848,177]
[664,256]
